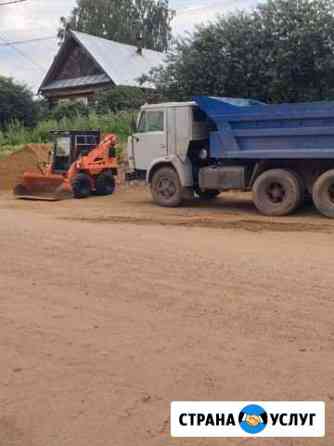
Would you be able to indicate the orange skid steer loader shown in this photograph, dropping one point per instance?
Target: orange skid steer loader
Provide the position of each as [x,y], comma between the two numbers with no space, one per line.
[80,165]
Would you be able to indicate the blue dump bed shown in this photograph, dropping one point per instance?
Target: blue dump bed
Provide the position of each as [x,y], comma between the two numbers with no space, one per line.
[249,129]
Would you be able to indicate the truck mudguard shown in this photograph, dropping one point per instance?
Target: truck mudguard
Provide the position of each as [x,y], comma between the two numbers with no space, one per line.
[183,168]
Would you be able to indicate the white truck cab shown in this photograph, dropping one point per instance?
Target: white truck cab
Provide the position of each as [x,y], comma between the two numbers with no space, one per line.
[167,135]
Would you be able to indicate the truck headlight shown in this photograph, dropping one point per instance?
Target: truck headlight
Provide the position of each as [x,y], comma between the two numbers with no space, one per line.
[203,154]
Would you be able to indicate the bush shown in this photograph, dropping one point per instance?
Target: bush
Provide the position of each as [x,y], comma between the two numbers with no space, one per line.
[17,103]
[119,98]
[68,110]
[17,134]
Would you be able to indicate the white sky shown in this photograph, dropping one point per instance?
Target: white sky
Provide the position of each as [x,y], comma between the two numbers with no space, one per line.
[40,18]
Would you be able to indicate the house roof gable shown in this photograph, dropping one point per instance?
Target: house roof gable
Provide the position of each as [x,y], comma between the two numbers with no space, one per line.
[120,62]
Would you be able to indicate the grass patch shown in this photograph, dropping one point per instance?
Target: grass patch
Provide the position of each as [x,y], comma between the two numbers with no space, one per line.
[17,135]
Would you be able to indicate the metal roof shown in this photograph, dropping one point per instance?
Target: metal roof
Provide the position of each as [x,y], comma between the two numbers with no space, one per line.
[169,105]
[121,63]
[77,82]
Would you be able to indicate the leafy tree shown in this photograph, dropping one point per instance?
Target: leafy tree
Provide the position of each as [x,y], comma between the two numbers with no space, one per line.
[119,99]
[124,21]
[17,103]
[281,51]
[69,110]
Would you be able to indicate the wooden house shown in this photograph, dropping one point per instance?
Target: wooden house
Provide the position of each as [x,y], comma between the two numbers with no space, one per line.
[85,64]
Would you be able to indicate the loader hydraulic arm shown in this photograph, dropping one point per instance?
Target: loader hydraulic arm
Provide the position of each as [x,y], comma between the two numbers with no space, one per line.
[100,154]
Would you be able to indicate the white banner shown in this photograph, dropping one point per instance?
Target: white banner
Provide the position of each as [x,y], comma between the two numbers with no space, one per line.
[248,419]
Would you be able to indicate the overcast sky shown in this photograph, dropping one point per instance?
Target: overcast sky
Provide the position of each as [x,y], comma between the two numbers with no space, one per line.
[40,18]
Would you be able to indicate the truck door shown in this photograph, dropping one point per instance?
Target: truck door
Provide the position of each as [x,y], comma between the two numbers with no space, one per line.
[150,140]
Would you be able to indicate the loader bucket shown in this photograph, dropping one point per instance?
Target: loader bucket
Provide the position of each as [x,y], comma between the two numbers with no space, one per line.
[34,186]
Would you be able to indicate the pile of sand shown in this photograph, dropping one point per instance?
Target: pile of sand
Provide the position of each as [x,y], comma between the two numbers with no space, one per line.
[28,158]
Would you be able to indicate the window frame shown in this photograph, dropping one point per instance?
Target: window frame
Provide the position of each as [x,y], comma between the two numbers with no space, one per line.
[60,143]
[145,129]
[88,144]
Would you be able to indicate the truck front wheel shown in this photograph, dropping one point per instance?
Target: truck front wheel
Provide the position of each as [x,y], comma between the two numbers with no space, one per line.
[166,187]
[277,192]
[323,194]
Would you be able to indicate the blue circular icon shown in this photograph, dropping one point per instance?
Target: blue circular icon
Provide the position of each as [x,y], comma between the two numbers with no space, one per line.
[253,419]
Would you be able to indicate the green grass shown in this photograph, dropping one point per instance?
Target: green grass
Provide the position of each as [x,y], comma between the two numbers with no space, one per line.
[16,135]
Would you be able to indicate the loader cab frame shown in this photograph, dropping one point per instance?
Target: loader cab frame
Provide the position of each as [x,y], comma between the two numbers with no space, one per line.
[70,145]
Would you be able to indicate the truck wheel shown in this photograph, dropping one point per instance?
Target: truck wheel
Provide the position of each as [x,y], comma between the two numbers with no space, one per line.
[323,194]
[277,192]
[105,184]
[166,187]
[207,194]
[302,188]
[81,186]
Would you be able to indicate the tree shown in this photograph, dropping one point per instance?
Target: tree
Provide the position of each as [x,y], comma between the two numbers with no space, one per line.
[124,21]
[119,99]
[17,103]
[68,110]
[282,51]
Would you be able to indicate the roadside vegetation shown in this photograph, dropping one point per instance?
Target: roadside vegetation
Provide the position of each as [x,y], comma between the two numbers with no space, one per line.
[113,112]
[17,134]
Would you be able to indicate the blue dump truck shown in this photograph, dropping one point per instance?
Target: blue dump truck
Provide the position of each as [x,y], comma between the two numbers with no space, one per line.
[282,153]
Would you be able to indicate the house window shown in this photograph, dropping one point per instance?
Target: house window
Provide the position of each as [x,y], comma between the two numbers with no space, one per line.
[81,100]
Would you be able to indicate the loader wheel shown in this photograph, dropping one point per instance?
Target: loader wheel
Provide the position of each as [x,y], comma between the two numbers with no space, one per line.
[277,192]
[166,187]
[323,194]
[81,186]
[105,184]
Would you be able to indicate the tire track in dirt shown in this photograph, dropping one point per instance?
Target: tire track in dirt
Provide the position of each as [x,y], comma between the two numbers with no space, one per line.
[214,223]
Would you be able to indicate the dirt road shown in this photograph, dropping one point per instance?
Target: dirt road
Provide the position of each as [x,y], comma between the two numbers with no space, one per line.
[111,308]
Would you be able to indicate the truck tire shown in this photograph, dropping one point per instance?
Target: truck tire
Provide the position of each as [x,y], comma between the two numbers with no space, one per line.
[323,194]
[105,184]
[166,187]
[302,188]
[81,186]
[277,192]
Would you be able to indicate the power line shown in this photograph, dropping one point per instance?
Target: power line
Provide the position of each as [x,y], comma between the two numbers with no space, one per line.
[22,54]
[12,2]
[10,44]
[21,42]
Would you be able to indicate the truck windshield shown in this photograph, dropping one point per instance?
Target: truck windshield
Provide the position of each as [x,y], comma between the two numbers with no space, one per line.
[151,121]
